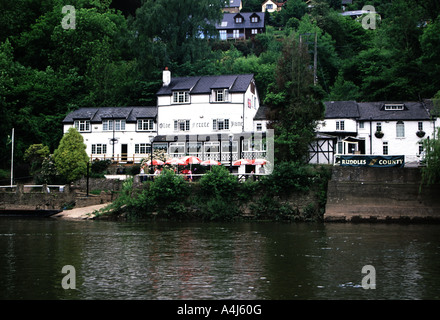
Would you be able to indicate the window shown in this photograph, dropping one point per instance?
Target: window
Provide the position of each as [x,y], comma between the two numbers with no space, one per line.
[194,148]
[119,125]
[254,31]
[177,149]
[236,34]
[99,148]
[82,125]
[212,150]
[420,147]
[385,148]
[420,125]
[255,19]
[259,127]
[221,95]
[361,125]
[340,147]
[226,145]
[223,35]
[269,6]
[393,107]
[254,145]
[181,125]
[181,97]
[238,20]
[340,125]
[145,125]
[400,129]
[142,148]
[220,124]
[379,126]
[107,125]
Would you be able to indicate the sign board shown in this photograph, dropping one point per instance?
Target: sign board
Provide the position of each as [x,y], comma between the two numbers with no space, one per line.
[370,161]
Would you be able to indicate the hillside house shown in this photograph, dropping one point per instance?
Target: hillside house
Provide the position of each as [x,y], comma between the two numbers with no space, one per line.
[242,25]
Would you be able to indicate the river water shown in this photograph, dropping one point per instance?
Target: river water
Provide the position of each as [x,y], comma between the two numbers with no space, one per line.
[244,260]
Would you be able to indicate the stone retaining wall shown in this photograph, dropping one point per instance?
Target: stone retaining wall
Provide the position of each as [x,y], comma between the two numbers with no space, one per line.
[358,193]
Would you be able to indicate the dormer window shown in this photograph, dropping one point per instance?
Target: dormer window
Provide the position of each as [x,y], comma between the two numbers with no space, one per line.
[145,125]
[220,95]
[255,19]
[238,18]
[82,125]
[180,97]
[117,125]
[394,107]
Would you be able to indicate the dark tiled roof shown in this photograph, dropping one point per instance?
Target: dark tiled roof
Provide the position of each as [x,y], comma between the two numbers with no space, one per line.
[376,111]
[341,109]
[228,21]
[261,113]
[130,114]
[204,84]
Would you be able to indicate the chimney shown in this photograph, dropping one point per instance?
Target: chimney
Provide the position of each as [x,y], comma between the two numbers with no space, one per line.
[166,77]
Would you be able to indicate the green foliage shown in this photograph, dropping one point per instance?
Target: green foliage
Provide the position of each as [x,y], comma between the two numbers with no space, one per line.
[288,177]
[168,193]
[49,173]
[295,103]
[99,167]
[218,194]
[35,156]
[431,170]
[218,182]
[70,157]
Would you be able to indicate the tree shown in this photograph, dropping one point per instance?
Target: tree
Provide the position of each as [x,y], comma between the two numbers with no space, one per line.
[294,103]
[176,30]
[35,155]
[431,172]
[71,158]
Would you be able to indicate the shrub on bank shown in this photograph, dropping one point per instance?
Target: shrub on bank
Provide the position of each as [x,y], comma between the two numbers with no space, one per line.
[219,196]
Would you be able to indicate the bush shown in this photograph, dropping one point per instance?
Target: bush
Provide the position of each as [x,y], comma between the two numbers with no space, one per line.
[219,182]
[99,167]
[168,193]
[288,177]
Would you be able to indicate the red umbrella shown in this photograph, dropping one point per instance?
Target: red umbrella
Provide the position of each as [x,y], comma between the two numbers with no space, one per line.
[175,161]
[210,163]
[191,160]
[259,161]
[155,163]
[241,161]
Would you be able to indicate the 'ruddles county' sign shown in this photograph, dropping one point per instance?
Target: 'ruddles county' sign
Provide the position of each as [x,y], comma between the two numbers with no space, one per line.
[370,161]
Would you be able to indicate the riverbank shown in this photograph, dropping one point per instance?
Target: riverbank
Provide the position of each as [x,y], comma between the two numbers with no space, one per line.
[84,213]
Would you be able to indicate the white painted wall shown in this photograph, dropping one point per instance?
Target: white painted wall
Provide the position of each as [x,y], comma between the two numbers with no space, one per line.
[129,137]
[200,111]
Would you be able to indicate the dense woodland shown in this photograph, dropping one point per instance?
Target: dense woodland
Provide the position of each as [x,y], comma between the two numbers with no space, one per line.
[116,53]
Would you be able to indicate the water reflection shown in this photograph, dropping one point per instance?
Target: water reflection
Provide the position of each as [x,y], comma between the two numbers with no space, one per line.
[217,260]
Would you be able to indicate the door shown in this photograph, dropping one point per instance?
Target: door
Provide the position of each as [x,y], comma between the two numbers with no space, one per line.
[124,149]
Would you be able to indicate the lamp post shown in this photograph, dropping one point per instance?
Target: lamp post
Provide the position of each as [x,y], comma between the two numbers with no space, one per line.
[151,149]
[231,137]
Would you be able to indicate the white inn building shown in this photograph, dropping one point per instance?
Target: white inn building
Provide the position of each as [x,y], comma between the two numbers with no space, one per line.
[211,117]
[374,128]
